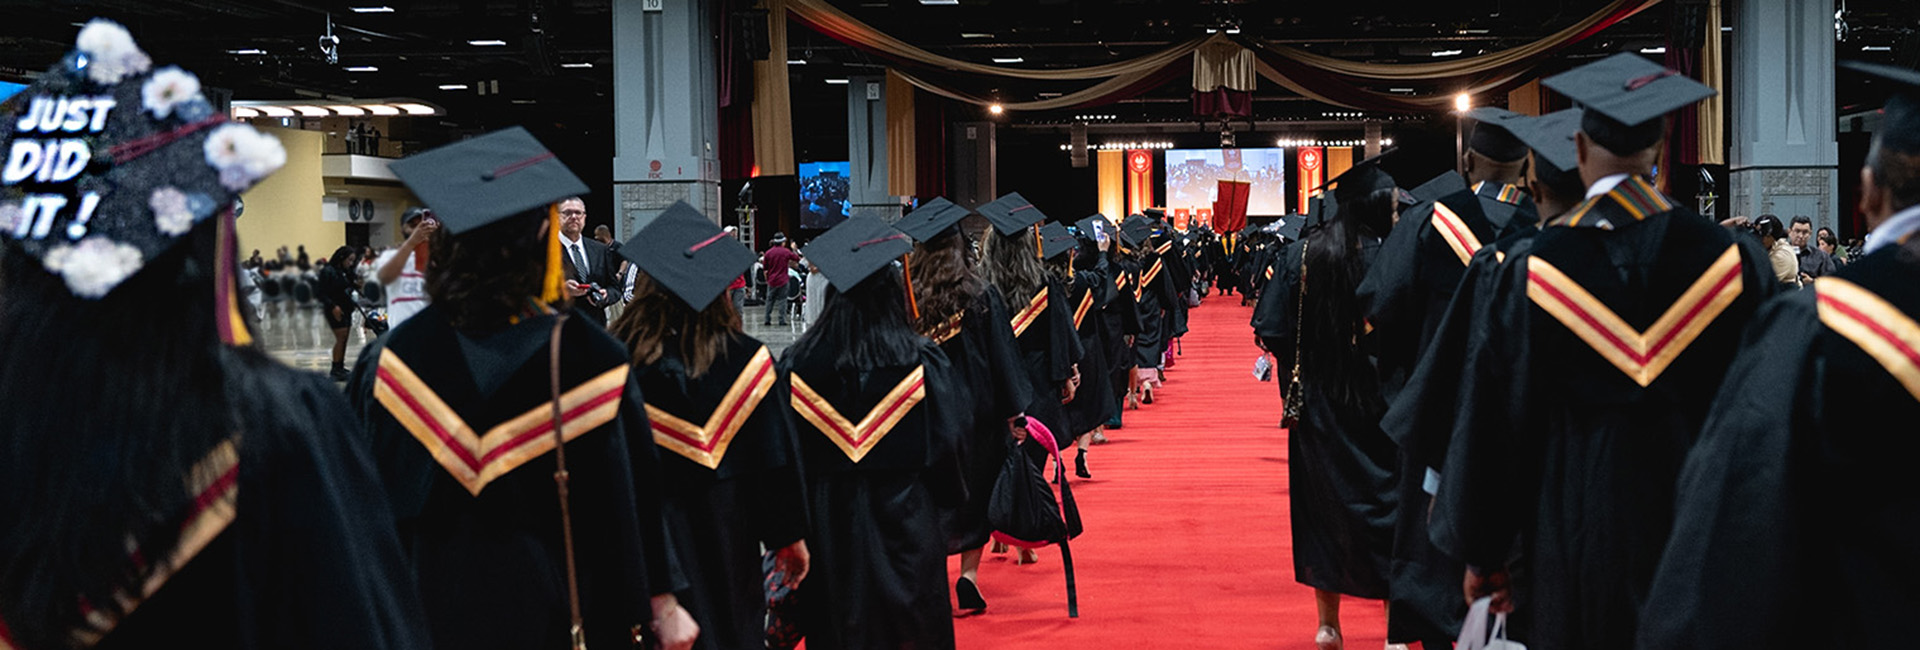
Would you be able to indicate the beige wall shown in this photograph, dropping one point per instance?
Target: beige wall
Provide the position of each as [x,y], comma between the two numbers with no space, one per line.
[284,210]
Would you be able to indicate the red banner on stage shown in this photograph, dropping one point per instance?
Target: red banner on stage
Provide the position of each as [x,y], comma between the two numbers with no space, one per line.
[1313,172]
[1230,206]
[1139,180]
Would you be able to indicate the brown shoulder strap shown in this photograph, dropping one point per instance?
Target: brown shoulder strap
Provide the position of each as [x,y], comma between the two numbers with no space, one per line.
[560,483]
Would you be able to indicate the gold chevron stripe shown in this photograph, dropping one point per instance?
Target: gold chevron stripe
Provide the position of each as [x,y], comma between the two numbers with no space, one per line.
[1024,319]
[855,440]
[707,443]
[473,460]
[1879,328]
[947,330]
[1080,313]
[1641,355]
[1454,230]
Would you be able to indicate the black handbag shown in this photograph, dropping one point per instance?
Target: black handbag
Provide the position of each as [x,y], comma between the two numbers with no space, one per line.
[1022,510]
[1296,394]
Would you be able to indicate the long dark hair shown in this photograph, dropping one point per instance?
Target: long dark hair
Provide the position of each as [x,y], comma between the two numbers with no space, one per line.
[657,322]
[341,255]
[1013,265]
[945,277]
[108,404]
[863,327]
[1330,358]
[486,276]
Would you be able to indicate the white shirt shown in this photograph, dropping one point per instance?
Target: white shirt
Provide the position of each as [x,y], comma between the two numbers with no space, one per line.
[1890,231]
[407,294]
[1605,184]
[576,254]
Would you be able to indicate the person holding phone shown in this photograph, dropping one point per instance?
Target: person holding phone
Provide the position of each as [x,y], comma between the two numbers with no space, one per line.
[402,271]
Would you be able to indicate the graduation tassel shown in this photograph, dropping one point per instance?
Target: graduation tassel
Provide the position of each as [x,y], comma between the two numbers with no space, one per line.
[553,287]
[906,276]
[231,326]
[1034,231]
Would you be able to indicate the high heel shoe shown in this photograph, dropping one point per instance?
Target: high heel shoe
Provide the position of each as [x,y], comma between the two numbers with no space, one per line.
[1027,556]
[999,547]
[1327,639]
[1146,395]
[968,596]
[1080,465]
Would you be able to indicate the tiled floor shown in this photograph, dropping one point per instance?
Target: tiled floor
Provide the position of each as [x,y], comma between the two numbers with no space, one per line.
[298,335]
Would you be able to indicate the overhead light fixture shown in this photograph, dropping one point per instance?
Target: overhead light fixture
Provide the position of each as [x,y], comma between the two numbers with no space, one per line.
[1463,102]
[415,109]
[1464,32]
[523,101]
[1213,30]
[382,109]
[348,111]
[1008,59]
[975,35]
[1233,30]
[582,64]
[1400,90]
[1877,48]
[1654,50]
[453,86]
[996,109]
[796,61]
[1446,52]
[244,113]
[837,82]
[939,2]
[487,43]
[362,68]
[247,52]
[311,111]
[274,111]
[372,10]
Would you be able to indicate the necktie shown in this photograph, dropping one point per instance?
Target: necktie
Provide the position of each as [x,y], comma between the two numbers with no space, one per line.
[580,263]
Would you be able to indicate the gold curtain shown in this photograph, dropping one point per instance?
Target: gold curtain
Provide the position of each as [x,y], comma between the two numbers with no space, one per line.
[900,136]
[1437,102]
[1112,172]
[1068,100]
[1712,139]
[837,24]
[773,101]
[1525,99]
[1468,66]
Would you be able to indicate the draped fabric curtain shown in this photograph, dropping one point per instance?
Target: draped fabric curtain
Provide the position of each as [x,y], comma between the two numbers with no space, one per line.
[1492,62]
[773,99]
[1117,88]
[1712,138]
[1223,80]
[901,143]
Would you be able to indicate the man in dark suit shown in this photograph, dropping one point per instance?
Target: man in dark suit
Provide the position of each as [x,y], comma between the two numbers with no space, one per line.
[591,279]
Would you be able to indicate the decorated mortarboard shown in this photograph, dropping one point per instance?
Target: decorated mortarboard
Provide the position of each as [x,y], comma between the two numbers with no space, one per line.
[689,254]
[1550,137]
[1055,240]
[1628,88]
[1137,229]
[479,181]
[1093,227]
[111,163]
[1290,226]
[1901,131]
[931,219]
[1439,186]
[1492,136]
[1011,213]
[855,249]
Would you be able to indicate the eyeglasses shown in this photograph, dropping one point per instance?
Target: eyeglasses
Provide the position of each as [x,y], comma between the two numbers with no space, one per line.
[572,213]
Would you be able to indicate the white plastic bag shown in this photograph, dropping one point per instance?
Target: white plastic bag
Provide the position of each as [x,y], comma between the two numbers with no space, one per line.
[1474,634]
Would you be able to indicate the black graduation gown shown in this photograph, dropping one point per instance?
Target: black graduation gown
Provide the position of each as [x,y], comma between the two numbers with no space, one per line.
[1122,318]
[875,485]
[1179,274]
[989,375]
[1049,347]
[1566,449]
[1153,298]
[470,473]
[1405,294]
[731,477]
[1340,466]
[1796,520]
[1093,404]
[308,557]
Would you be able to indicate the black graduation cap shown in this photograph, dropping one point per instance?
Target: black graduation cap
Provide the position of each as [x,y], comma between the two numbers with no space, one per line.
[478,181]
[855,249]
[1055,240]
[688,254]
[1550,137]
[1364,177]
[1492,137]
[1440,186]
[119,162]
[1011,213]
[1628,88]
[1098,223]
[1137,229]
[1901,131]
[1290,226]
[1156,214]
[931,219]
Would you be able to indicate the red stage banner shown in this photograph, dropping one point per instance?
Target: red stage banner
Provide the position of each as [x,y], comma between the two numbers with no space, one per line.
[1313,170]
[1139,180]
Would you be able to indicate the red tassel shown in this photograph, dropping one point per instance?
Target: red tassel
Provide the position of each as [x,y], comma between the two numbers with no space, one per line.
[906,276]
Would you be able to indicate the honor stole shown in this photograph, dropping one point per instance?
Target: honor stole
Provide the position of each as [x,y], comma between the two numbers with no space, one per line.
[707,443]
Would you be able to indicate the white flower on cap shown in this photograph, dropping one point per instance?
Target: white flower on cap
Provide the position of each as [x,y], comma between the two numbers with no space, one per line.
[110,52]
[170,212]
[95,266]
[243,155]
[168,87]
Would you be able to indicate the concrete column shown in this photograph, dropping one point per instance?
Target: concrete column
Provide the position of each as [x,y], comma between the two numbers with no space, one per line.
[1784,155]
[974,157]
[665,109]
[867,149]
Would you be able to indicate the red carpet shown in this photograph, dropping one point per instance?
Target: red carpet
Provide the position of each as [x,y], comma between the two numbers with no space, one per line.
[1186,542]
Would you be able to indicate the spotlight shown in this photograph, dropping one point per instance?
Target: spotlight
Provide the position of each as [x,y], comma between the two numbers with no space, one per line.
[1463,102]
[996,109]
